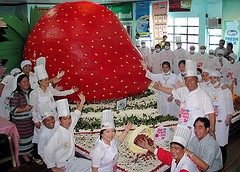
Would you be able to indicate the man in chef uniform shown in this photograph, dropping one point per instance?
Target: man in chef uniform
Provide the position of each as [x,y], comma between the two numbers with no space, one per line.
[59,153]
[201,56]
[191,55]
[145,51]
[194,101]
[26,66]
[165,55]
[49,126]
[179,54]
[176,157]
[210,62]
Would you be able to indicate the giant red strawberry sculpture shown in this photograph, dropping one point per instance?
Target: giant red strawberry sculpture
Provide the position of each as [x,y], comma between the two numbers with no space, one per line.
[89,43]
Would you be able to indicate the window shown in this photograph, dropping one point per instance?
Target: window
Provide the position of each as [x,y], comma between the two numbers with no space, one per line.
[214,36]
[187,28]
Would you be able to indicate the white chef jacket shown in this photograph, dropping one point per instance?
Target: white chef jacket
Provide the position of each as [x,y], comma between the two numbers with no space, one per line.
[236,74]
[179,54]
[201,58]
[210,63]
[33,80]
[190,56]
[60,149]
[155,62]
[44,137]
[145,52]
[194,104]
[227,72]
[37,96]
[164,107]
[8,82]
[218,66]
[104,156]
[166,55]
[223,105]
[184,164]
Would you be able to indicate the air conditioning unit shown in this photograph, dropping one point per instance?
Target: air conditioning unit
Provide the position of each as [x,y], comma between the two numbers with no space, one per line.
[214,23]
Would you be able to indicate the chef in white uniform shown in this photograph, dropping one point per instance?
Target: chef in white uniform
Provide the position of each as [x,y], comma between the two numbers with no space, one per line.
[48,128]
[220,60]
[179,54]
[105,153]
[165,103]
[145,51]
[166,55]
[191,55]
[210,62]
[205,82]
[228,70]
[44,94]
[177,158]
[59,153]
[201,57]
[194,101]
[6,89]
[26,67]
[155,60]
[223,109]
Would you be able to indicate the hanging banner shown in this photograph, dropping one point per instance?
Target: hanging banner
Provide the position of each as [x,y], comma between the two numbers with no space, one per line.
[123,11]
[159,15]
[142,18]
[179,5]
[231,34]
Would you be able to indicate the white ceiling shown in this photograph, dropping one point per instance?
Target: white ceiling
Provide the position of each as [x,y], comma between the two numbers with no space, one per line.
[12,2]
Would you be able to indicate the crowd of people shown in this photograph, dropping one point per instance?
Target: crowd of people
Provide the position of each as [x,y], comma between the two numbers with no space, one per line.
[195,87]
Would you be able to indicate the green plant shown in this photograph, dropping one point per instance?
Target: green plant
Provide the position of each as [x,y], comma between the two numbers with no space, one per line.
[17,32]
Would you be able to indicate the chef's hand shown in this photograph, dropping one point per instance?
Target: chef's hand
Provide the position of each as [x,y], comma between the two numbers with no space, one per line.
[143,143]
[60,74]
[59,169]
[144,65]
[157,85]
[128,127]
[55,80]
[170,98]
[37,124]
[228,119]
[82,98]
[212,133]
[59,88]
[28,108]
[75,89]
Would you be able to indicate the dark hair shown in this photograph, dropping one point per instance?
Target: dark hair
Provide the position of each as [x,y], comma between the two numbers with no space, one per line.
[230,45]
[137,34]
[166,63]
[157,45]
[182,62]
[167,43]
[222,40]
[177,144]
[101,133]
[164,36]
[203,120]
[19,79]
[199,70]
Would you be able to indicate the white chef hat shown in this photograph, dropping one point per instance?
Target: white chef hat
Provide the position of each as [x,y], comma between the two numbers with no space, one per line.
[215,73]
[63,107]
[192,46]
[178,39]
[44,110]
[206,70]
[25,62]
[233,55]
[191,68]
[182,135]
[107,120]
[15,71]
[211,51]
[220,51]
[41,61]
[40,72]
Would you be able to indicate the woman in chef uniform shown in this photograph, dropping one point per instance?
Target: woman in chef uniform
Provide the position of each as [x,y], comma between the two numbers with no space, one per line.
[105,152]
[165,103]
[44,94]
[223,109]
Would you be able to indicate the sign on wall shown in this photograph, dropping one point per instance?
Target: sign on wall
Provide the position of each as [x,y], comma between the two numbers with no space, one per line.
[142,18]
[179,5]
[231,34]
[123,11]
